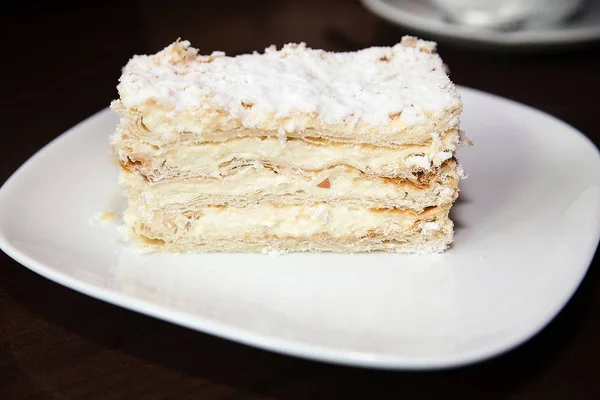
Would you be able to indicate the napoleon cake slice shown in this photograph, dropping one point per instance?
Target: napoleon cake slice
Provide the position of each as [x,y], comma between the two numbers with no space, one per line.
[295,149]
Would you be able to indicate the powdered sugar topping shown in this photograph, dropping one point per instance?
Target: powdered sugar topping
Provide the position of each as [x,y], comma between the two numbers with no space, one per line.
[377,85]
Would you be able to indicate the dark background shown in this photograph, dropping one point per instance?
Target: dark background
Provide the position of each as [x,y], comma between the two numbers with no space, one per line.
[60,63]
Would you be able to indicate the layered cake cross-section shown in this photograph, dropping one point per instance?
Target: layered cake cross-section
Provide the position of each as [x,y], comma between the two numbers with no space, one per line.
[293,149]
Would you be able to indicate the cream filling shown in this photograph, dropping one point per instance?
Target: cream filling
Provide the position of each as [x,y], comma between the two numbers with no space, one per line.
[211,158]
[169,123]
[256,181]
[340,221]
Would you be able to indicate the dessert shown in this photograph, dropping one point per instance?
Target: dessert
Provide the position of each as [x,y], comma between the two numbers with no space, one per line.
[293,149]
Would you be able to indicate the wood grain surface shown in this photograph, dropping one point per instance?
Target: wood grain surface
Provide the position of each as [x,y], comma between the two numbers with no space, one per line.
[60,63]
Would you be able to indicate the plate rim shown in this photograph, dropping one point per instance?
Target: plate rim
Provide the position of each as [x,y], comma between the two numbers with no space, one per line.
[525,38]
[291,347]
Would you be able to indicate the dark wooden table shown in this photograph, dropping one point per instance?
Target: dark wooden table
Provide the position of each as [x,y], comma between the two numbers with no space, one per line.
[61,61]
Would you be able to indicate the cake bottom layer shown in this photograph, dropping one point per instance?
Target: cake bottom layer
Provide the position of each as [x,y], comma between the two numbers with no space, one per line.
[274,245]
[267,227]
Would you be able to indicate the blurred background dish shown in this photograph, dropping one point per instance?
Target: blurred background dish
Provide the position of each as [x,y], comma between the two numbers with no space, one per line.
[508,14]
[425,18]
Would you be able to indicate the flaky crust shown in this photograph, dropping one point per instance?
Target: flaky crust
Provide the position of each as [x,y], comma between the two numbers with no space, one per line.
[133,147]
[402,243]
[383,229]
[436,244]
[249,185]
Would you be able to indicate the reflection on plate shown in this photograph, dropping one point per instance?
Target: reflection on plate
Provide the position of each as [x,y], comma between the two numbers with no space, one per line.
[424,19]
[528,223]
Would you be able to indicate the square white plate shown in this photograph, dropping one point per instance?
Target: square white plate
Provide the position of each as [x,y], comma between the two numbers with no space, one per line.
[528,223]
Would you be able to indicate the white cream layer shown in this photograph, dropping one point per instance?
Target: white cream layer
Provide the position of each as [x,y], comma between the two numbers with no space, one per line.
[210,158]
[256,181]
[291,221]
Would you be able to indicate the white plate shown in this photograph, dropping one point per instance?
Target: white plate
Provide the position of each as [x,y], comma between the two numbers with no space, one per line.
[528,223]
[424,18]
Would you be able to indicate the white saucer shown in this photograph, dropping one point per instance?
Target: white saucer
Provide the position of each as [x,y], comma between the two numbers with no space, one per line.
[528,223]
[425,20]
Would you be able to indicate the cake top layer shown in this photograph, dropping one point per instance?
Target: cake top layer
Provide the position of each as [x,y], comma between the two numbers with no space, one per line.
[406,82]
